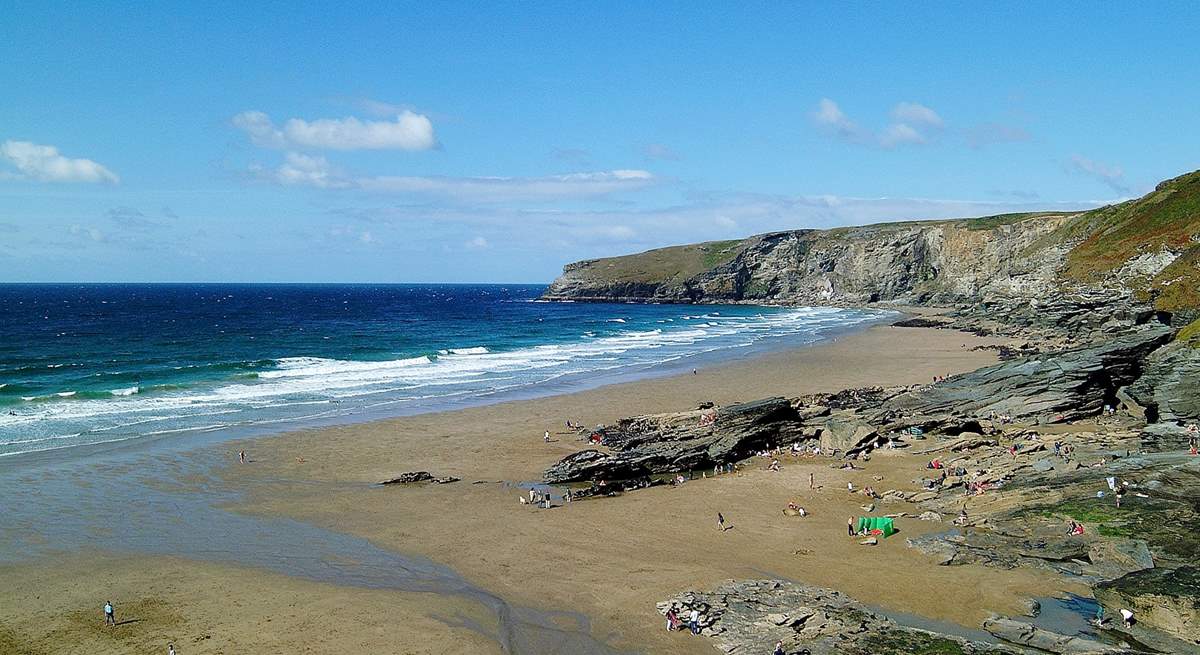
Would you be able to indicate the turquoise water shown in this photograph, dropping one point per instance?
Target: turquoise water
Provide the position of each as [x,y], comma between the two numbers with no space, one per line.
[92,364]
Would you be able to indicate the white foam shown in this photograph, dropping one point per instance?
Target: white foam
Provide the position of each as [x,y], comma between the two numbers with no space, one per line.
[129,391]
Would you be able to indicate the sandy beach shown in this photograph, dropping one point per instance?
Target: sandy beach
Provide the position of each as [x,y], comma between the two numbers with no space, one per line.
[607,559]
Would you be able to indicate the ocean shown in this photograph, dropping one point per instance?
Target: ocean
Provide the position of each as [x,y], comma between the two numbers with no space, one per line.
[82,365]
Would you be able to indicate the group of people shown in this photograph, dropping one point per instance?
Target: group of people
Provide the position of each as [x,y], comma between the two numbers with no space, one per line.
[543,499]
[674,622]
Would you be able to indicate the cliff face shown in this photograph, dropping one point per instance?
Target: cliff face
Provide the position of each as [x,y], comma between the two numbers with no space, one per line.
[943,261]
[1148,248]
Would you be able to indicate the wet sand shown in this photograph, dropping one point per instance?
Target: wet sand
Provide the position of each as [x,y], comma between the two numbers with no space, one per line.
[609,559]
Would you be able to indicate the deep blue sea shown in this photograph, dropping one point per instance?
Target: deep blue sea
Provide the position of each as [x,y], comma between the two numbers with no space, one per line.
[91,364]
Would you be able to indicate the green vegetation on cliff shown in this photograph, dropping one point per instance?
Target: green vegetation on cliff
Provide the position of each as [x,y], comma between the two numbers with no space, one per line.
[1166,219]
[1149,246]
[668,264]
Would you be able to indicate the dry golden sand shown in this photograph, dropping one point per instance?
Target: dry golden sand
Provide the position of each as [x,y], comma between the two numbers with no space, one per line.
[610,559]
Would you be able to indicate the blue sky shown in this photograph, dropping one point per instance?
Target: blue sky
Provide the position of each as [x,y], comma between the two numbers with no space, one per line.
[455,142]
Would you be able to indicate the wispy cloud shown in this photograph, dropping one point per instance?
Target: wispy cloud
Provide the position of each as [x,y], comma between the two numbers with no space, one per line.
[45,164]
[912,124]
[986,134]
[1111,176]
[304,170]
[500,189]
[477,243]
[407,131]
[660,152]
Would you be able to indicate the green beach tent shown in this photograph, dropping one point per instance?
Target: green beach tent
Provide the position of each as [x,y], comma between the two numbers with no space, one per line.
[869,523]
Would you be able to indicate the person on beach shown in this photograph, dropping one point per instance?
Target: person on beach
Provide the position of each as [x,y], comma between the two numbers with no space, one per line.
[850,526]
[812,483]
[672,620]
[110,618]
[242,456]
[170,649]
[546,437]
[694,621]
[720,521]
[778,649]
[1126,618]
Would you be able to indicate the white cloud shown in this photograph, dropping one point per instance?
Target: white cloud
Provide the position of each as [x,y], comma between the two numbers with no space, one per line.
[916,114]
[305,170]
[829,115]
[1112,176]
[899,134]
[408,131]
[477,243]
[44,163]
[913,124]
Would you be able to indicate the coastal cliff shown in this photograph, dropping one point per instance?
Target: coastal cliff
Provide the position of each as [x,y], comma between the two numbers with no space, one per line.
[1147,248]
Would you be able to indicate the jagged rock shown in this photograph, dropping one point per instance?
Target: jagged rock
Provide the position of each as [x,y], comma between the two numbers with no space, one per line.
[1167,389]
[1067,385]
[930,516]
[847,437]
[921,322]
[1025,634]
[749,616]
[1166,599]
[664,443]
[413,477]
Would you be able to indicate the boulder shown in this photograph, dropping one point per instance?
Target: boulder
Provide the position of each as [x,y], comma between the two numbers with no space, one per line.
[413,477]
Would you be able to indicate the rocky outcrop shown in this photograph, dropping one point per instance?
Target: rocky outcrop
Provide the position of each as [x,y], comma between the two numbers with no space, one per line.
[1165,599]
[751,616]
[416,477]
[1025,634]
[1062,386]
[1169,388]
[665,443]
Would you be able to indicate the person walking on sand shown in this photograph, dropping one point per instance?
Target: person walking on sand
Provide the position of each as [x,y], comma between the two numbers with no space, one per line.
[850,526]
[720,521]
[672,620]
[812,481]
[694,621]
[546,437]
[242,456]
[109,616]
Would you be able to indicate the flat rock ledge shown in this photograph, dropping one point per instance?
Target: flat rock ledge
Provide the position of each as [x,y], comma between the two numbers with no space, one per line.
[419,477]
[749,616]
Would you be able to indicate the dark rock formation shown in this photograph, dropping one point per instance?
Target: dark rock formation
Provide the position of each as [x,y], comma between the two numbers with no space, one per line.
[413,477]
[750,616]
[1166,599]
[1067,385]
[1169,388]
[665,443]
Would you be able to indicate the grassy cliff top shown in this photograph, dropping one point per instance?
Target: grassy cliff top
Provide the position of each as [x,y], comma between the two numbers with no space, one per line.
[666,264]
[1100,241]
[1167,218]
